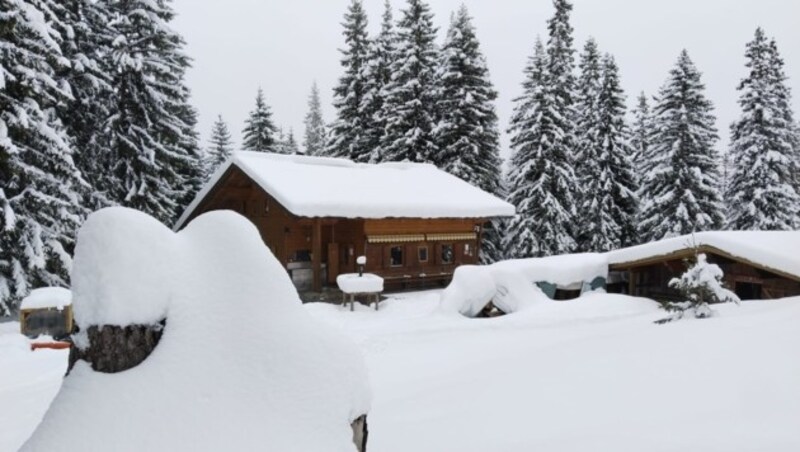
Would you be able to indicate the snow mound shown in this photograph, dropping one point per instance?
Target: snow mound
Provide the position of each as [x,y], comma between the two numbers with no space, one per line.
[515,291]
[567,271]
[511,285]
[471,289]
[240,361]
[124,266]
[47,297]
[355,283]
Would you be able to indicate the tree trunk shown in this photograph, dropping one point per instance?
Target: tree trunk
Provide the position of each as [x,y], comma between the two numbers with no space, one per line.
[113,348]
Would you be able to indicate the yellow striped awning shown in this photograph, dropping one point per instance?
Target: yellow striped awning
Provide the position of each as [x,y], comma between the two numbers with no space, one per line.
[396,238]
[452,236]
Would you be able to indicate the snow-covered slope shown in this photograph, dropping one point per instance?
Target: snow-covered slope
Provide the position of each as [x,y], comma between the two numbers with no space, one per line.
[240,366]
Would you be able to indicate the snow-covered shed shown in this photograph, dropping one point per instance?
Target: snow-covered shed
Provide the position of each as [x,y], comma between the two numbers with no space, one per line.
[757,264]
[412,221]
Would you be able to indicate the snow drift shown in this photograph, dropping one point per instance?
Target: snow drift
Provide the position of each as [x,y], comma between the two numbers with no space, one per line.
[511,284]
[240,361]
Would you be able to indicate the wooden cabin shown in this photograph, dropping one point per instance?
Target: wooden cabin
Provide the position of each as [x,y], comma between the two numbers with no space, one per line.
[756,264]
[413,222]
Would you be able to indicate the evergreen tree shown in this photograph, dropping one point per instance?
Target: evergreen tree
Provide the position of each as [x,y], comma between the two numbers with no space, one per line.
[467,132]
[587,110]
[642,130]
[761,194]
[285,143]
[154,159]
[259,130]
[700,285]
[39,183]
[86,36]
[291,144]
[314,140]
[680,187]
[410,105]
[586,118]
[541,176]
[561,79]
[348,132]
[377,75]
[220,146]
[609,202]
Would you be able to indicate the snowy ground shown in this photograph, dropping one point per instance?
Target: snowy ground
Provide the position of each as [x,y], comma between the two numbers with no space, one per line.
[28,382]
[590,374]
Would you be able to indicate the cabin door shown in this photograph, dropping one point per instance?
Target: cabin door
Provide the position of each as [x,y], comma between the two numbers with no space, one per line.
[333,262]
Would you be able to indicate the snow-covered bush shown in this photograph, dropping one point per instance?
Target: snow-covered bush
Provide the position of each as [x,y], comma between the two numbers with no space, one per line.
[700,286]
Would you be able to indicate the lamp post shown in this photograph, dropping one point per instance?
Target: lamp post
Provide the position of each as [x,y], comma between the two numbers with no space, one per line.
[361,261]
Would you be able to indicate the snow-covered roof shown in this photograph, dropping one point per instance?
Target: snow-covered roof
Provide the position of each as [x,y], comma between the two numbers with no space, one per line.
[773,250]
[334,187]
[47,297]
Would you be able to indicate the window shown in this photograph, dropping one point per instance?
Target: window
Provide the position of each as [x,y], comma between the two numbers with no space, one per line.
[396,256]
[422,254]
[447,254]
[467,250]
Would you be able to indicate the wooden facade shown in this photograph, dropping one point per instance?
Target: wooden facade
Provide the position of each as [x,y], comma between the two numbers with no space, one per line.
[650,277]
[402,250]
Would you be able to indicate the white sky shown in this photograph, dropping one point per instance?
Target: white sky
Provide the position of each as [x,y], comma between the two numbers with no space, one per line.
[282,46]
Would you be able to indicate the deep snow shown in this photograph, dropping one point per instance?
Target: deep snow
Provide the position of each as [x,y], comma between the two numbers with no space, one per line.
[240,365]
[589,374]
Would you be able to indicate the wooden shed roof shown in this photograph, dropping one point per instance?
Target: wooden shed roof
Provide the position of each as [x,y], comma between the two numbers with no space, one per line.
[774,251]
[333,187]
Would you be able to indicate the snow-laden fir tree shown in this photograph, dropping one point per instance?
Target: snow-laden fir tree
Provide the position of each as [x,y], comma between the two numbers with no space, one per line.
[586,118]
[259,130]
[466,134]
[220,146]
[700,286]
[410,105]
[561,79]
[86,35]
[761,193]
[154,160]
[541,178]
[377,74]
[290,144]
[347,134]
[641,132]
[39,183]
[314,137]
[609,204]
[680,184]
[587,95]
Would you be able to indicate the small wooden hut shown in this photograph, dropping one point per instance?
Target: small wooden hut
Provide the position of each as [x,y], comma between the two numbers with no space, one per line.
[413,222]
[756,264]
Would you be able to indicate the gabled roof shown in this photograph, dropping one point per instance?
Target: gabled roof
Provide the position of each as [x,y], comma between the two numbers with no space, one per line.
[775,251]
[334,187]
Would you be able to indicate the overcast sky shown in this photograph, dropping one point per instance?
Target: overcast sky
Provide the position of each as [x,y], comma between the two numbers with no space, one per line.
[284,45]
